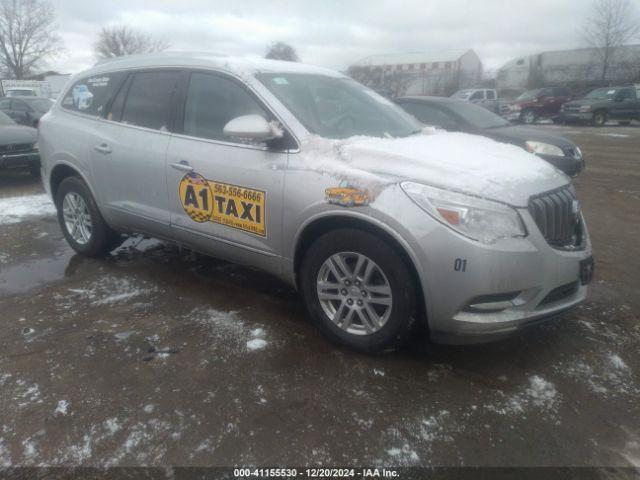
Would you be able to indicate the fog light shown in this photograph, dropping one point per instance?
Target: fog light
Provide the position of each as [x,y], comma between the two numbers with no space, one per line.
[492,303]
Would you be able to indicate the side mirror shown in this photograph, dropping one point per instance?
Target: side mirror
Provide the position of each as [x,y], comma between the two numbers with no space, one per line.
[253,128]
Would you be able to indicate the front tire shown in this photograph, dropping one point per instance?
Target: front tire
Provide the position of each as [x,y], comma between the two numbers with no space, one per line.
[358,291]
[81,221]
[599,118]
[528,117]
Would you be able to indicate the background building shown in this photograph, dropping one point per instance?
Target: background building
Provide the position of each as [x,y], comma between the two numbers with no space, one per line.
[579,68]
[421,73]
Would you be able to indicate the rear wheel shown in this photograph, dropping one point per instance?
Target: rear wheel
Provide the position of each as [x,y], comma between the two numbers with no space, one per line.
[358,291]
[528,117]
[599,118]
[81,221]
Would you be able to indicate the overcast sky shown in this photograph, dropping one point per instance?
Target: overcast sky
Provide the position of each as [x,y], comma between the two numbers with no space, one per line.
[330,33]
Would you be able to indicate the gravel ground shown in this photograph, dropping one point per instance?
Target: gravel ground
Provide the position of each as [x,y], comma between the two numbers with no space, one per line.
[156,356]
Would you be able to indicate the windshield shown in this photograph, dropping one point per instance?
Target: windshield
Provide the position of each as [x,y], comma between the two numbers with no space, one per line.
[477,116]
[464,94]
[339,107]
[5,120]
[602,93]
[529,95]
[42,105]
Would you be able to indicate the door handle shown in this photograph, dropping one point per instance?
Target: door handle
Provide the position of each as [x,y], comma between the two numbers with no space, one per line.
[103,148]
[183,166]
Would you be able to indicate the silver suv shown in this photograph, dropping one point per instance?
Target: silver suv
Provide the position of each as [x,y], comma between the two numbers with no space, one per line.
[306,174]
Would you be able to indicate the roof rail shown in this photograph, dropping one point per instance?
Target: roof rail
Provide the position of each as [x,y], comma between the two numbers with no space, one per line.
[164,54]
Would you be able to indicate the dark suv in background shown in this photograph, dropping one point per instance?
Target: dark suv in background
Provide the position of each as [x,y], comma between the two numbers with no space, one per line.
[536,104]
[602,104]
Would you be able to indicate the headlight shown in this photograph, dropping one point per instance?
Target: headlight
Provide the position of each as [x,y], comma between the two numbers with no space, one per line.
[474,217]
[585,108]
[35,147]
[516,107]
[540,148]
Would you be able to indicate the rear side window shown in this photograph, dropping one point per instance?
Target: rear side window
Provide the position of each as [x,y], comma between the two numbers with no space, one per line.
[212,101]
[91,95]
[19,106]
[479,95]
[148,101]
[491,95]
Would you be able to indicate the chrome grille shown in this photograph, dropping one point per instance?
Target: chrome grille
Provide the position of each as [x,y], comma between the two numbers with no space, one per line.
[557,214]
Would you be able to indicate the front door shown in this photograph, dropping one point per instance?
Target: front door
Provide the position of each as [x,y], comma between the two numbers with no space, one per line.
[224,195]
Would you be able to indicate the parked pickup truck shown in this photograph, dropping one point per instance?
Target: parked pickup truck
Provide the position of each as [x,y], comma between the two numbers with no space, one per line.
[602,104]
[483,97]
[536,104]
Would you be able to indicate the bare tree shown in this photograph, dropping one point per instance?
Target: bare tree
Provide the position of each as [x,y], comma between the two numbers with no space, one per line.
[610,25]
[282,51]
[27,36]
[390,83]
[122,40]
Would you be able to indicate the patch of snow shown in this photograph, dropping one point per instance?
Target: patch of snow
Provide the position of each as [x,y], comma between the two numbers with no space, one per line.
[111,290]
[615,135]
[124,335]
[30,449]
[149,408]
[379,372]
[18,209]
[541,392]
[404,455]
[62,407]
[4,257]
[112,425]
[617,362]
[256,344]
[5,457]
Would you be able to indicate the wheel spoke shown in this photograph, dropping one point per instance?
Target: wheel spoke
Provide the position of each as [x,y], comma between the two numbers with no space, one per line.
[346,323]
[329,296]
[339,313]
[379,289]
[368,271]
[339,262]
[366,323]
[375,318]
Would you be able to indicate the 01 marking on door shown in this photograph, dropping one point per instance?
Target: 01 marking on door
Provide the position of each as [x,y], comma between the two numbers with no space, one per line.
[234,206]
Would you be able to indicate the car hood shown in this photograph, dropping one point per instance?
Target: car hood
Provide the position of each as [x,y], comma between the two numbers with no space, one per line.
[11,134]
[519,135]
[456,161]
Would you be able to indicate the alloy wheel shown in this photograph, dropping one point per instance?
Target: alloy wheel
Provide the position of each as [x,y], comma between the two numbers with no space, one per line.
[354,293]
[77,219]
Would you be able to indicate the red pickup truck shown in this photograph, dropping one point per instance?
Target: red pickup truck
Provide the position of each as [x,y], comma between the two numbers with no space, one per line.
[536,104]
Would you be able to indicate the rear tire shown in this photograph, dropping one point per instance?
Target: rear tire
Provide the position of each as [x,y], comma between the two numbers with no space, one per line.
[373,303]
[80,220]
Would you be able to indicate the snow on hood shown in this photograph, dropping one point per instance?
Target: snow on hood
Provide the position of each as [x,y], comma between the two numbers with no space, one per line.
[455,161]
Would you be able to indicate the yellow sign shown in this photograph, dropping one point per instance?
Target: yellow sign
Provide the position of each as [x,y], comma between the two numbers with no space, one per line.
[347,196]
[230,205]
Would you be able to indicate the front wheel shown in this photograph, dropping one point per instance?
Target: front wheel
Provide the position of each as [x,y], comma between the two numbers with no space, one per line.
[599,118]
[528,117]
[81,221]
[358,291]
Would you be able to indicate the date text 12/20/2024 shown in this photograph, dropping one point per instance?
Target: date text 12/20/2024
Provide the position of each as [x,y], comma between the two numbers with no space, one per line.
[316,473]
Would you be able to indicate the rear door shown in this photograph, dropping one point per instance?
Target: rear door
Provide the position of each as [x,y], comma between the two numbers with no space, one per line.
[224,194]
[129,147]
[624,104]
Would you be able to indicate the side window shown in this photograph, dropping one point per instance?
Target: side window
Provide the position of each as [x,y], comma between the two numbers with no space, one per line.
[148,101]
[90,95]
[430,115]
[5,104]
[20,106]
[561,92]
[212,101]
[547,92]
[491,95]
[626,93]
[477,96]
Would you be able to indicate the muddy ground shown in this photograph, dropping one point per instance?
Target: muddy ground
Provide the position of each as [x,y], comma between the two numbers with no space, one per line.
[155,356]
